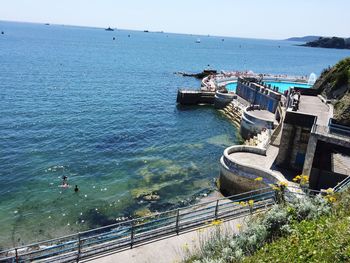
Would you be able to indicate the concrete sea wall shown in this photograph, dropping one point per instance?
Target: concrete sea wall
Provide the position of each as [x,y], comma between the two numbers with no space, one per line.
[252,125]
[237,177]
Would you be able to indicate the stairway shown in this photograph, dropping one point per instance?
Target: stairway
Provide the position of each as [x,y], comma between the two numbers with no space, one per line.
[234,112]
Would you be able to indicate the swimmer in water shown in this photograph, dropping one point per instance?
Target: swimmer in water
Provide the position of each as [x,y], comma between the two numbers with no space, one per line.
[76,189]
[65,182]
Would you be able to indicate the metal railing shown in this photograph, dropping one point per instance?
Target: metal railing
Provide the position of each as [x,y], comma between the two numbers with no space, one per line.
[137,231]
[342,185]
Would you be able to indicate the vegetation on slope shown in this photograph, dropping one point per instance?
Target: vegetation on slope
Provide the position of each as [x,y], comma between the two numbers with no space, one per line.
[325,239]
[330,42]
[285,226]
[334,84]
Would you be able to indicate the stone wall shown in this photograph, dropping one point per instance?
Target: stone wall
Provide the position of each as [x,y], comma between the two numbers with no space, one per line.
[294,141]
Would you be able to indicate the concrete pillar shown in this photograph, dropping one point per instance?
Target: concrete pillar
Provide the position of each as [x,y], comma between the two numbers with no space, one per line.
[310,153]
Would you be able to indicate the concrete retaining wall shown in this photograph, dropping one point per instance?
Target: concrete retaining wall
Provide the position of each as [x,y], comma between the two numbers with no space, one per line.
[221,100]
[236,177]
[252,125]
[191,97]
[258,95]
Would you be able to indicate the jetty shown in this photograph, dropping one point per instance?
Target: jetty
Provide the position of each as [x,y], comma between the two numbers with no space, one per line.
[200,75]
[195,97]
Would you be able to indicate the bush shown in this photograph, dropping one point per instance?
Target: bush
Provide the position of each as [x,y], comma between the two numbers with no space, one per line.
[278,222]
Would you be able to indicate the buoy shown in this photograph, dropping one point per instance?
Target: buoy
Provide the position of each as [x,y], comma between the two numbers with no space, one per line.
[113,38]
[2,32]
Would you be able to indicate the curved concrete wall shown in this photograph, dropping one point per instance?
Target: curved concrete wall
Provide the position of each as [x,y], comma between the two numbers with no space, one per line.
[223,99]
[236,177]
[252,125]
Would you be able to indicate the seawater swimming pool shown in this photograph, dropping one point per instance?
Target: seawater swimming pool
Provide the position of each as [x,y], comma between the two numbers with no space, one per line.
[282,85]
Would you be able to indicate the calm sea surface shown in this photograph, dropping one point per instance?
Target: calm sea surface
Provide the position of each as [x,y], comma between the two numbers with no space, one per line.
[102,112]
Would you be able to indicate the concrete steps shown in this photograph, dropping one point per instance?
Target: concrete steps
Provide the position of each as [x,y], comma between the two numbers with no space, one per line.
[233,113]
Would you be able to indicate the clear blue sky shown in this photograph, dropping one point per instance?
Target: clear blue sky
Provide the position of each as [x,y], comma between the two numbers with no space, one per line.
[274,19]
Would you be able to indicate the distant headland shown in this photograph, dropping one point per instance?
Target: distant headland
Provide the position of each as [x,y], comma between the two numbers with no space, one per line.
[323,42]
[303,39]
[329,42]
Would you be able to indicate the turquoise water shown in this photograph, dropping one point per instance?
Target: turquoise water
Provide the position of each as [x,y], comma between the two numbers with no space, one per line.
[102,112]
[282,86]
[231,86]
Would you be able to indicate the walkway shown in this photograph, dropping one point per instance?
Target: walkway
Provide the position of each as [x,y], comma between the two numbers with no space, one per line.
[171,249]
[313,105]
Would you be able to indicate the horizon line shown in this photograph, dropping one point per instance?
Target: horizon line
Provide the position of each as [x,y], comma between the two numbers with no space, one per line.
[142,30]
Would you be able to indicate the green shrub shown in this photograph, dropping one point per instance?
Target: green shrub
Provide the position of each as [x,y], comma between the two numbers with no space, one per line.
[278,222]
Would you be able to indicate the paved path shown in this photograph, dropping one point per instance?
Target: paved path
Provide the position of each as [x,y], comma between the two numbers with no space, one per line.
[266,162]
[172,249]
[313,105]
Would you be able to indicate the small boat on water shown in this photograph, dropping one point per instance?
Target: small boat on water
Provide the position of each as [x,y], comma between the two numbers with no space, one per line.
[198,40]
[109,29]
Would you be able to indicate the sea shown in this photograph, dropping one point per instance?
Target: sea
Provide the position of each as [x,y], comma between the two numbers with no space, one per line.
[75,102]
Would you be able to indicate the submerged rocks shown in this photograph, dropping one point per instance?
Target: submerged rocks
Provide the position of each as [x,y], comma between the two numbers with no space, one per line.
[153,196]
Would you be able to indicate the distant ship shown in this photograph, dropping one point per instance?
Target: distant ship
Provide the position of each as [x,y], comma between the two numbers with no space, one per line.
[198,40]
[109,29]
[47,24]
[146,31]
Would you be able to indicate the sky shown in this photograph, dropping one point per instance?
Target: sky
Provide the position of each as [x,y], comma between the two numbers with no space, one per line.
[269,19]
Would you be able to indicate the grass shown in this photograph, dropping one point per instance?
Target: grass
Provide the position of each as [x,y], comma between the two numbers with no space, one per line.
[306,230]
[326,239]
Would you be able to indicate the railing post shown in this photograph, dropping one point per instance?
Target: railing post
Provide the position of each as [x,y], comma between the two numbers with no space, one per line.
[17,260]
[177,221]
[216,209]
[132,235]
[79,247]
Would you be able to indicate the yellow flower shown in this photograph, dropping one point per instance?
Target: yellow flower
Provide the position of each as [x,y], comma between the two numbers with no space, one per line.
[283,184]
[297,178]
[251,202]
[216,222]
[242,203]
[239,226]
[329,191]
[258,179]
[276,188]
[330,198]
[304,179]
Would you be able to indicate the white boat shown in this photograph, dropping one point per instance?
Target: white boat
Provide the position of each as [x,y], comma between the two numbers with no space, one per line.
[198,40]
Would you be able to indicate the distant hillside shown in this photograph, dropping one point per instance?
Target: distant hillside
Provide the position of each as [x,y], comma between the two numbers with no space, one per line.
[334,84]
[330,42]
[303,39]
